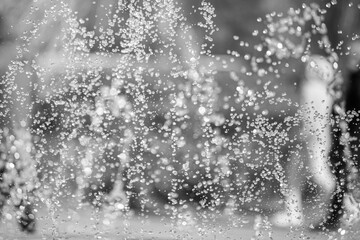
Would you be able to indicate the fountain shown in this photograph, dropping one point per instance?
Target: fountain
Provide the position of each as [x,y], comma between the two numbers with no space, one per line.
[121,121]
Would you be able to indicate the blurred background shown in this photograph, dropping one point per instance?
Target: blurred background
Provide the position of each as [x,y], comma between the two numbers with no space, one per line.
[153,105]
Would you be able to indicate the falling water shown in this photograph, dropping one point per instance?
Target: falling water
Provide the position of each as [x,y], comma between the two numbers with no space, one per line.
[133,114]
